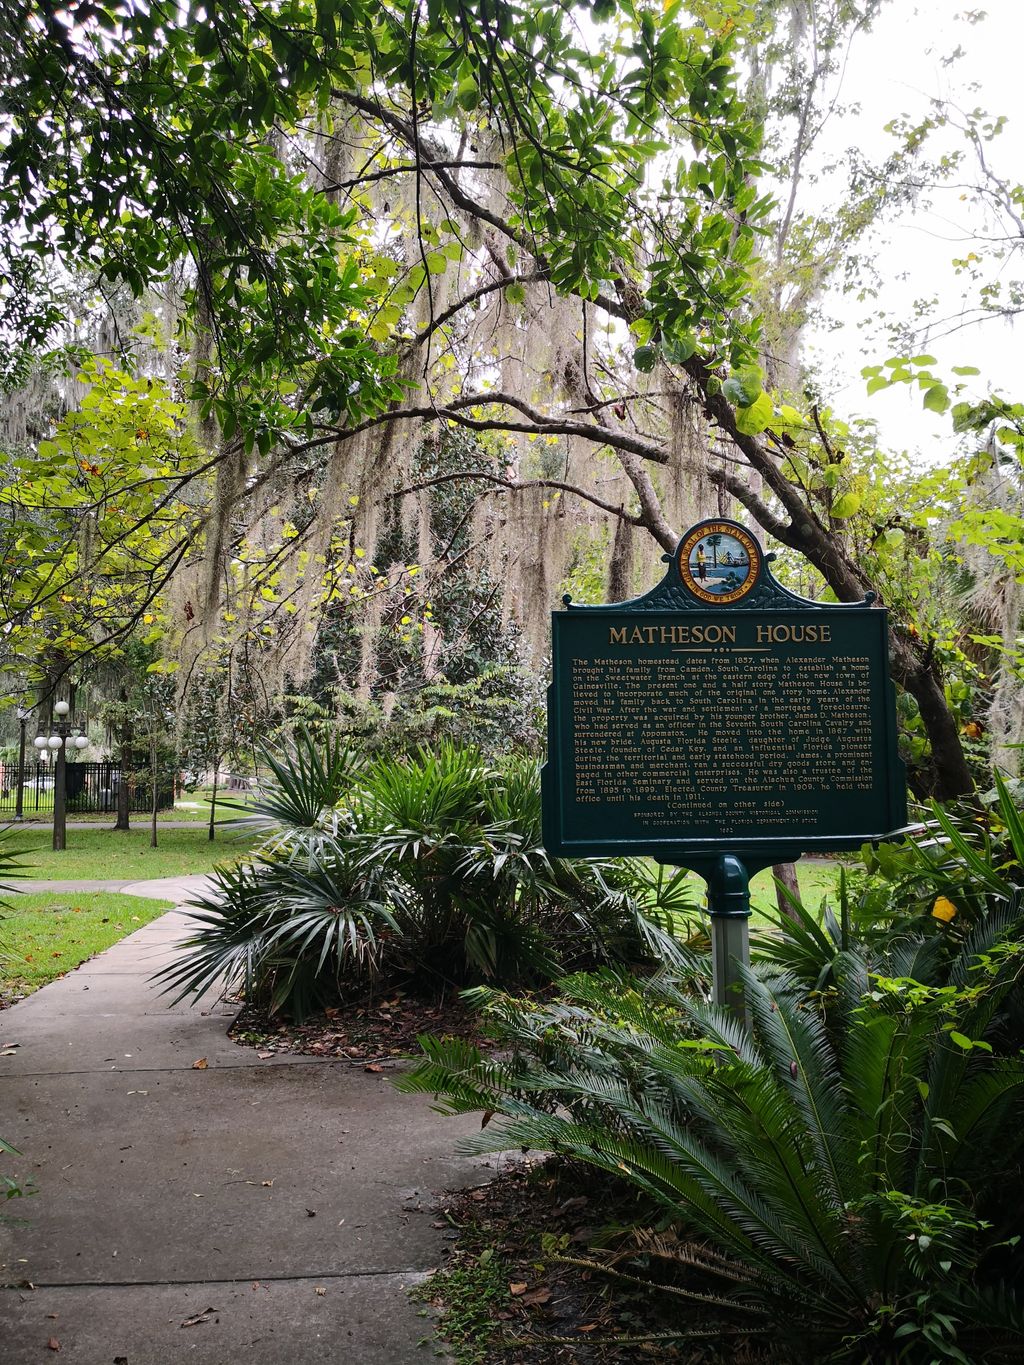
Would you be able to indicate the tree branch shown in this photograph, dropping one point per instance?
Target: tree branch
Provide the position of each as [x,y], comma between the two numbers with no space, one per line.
[517,486]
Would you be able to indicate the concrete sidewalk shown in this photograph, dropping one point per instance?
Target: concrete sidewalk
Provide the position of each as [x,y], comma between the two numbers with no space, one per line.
[261,1211]
[176,889]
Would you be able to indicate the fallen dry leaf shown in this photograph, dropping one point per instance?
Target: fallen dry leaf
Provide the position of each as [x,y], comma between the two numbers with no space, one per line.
[53,1344]
[517,1288]
[200,1065]
[537,1296]
[267,1184]
[320,1291]
[311,1213]
[588,1327]
[204,1316]
[264,1055]
[372,1066]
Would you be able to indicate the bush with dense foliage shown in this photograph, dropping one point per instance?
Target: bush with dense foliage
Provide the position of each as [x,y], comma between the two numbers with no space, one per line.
[918,903]
[846,1178]
[428,866]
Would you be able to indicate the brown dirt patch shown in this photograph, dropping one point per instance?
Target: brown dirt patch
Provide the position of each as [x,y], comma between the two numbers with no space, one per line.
[513,1238]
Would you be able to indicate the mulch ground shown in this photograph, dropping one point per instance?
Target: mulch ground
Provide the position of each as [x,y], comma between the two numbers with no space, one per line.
[373,1031]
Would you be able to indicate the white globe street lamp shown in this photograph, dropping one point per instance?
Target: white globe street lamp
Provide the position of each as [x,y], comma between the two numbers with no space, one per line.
[62,738]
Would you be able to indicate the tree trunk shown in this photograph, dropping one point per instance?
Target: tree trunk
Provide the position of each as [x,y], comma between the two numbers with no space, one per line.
[154,786]
[123,799]
[213,797]
[785,876]
[911,663]
[952,775]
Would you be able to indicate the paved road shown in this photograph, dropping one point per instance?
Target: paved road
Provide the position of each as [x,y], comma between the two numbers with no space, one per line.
[258,1211]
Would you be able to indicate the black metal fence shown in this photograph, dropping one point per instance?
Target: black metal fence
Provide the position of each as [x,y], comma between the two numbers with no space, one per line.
[92,789]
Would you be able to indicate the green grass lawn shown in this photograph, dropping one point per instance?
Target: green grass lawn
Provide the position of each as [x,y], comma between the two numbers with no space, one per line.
[43,935]
[196,806]
[103,854]
[818,880]
[191,806]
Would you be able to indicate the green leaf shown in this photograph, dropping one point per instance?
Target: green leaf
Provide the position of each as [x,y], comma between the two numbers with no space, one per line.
[743,387]
[467,94]
[645,358]
[936,399]
[846,506]
[754,418]
[679,349]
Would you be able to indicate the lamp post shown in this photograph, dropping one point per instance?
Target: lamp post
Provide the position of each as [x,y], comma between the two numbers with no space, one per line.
[61,736]
[19,801]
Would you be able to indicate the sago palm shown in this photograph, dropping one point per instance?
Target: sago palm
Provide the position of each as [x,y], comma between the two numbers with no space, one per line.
[854,1188]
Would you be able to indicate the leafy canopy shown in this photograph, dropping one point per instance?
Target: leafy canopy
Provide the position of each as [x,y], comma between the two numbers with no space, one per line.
[140,140]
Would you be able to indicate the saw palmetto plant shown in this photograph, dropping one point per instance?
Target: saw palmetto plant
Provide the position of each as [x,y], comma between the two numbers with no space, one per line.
[428,866]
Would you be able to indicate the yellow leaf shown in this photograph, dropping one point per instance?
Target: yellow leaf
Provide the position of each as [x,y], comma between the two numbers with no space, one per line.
[943,909]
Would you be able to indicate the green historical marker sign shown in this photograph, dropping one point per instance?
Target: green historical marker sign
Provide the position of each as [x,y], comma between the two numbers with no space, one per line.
[720,721]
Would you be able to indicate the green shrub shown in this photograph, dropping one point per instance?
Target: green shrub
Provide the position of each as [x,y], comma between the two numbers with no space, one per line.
[864,1188]
[849,1174]
[918,904]
[430,866]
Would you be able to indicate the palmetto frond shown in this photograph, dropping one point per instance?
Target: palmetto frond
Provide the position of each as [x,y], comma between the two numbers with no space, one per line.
[282,930]
[297,804]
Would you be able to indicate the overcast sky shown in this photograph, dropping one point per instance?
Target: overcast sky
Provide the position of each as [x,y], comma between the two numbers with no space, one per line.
[896,69]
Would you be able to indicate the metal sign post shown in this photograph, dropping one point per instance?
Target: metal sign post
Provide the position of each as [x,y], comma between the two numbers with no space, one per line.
[723,724]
